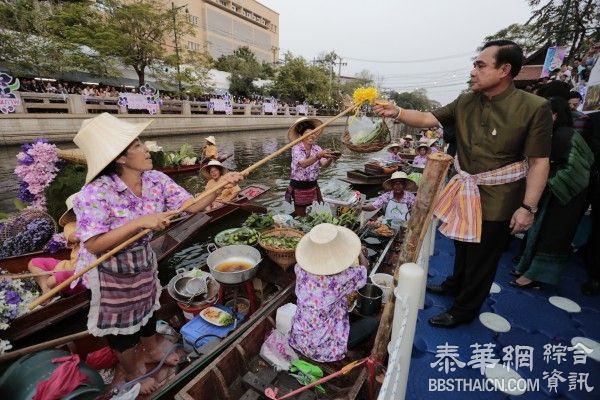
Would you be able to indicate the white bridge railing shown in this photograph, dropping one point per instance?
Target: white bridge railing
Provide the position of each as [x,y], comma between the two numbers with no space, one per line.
[410,297]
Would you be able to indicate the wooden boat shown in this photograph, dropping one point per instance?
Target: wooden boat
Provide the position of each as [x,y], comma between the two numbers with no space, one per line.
[361,180]
[277,289]
[189,169]
[164,245]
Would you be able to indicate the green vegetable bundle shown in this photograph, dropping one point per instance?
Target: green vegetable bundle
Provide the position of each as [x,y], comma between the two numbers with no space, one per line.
[260,221]
[243,235]
[280,242]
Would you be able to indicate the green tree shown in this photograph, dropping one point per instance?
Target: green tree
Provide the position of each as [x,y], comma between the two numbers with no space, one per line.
[47,38]
[244,69]
[573,23]
[136,32]
[361,79]
[415,100]
[296,80]
[194,72]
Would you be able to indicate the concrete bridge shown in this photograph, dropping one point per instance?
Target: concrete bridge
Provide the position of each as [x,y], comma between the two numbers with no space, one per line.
[58,117]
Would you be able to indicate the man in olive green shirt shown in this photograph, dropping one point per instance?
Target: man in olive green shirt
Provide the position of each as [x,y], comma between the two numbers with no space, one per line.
[496,125]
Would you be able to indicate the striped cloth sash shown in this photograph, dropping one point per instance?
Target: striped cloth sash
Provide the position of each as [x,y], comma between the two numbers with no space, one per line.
[459,205]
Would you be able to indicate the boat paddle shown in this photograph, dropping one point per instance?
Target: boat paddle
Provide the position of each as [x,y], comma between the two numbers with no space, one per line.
[201,196]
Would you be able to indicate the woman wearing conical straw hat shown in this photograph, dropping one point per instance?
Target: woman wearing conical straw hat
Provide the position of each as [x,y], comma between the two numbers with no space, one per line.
[398,199]
[307,160]
[214,173]
[330,266]
[423,148]
[123,196]
[209,151]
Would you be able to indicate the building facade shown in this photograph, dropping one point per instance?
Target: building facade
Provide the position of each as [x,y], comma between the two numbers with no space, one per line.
[222,26]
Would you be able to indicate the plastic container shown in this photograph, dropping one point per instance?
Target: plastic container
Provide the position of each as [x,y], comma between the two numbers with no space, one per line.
[283,319]
[385,283]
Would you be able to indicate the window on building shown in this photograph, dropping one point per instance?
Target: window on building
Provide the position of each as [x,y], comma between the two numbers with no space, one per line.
[193,19]
[193,46]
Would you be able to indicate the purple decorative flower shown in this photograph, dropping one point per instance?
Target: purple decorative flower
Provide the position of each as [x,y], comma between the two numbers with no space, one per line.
[5,79]
[12,297]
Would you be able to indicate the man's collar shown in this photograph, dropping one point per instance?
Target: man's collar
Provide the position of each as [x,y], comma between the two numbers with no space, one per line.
[507,92]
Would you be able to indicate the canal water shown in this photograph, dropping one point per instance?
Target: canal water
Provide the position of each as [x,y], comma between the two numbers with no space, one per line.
[247,148]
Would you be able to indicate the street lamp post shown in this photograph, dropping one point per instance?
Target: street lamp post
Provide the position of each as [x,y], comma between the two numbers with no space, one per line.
[174,12]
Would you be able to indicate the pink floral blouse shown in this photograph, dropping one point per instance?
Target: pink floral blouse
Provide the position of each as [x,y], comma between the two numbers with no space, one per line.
[107,203]
[320,326]
[310,173]
[391,157]
[407,198]
[420,161]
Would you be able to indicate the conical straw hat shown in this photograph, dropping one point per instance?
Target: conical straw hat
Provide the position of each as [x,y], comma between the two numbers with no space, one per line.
[293,133]
[69,215]
[103,138]
[328,249]
[409,184]
[205,171]
[210,139]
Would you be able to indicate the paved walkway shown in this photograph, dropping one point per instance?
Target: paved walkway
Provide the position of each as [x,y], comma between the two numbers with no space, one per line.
[534,322]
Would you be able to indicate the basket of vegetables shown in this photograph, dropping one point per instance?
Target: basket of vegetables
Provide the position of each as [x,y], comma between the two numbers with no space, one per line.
[366,136]
[280,245]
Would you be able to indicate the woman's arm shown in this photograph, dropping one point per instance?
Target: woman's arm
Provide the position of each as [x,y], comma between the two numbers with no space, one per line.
[106,241]
[313,159]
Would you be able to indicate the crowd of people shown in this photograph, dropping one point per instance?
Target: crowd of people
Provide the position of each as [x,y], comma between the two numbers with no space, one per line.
[103,90]
[574,73]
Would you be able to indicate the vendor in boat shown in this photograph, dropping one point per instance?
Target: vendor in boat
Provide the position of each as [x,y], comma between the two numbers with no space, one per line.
[391,154]
[209,151]
[397,201]
[61,269]
[423,149]
[407,142]
[214,173]
[123,196]
[330,267]
[307,160]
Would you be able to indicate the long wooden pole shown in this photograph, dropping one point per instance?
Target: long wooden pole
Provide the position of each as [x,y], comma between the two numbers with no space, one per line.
[421,218]
[197,198]
[41,346]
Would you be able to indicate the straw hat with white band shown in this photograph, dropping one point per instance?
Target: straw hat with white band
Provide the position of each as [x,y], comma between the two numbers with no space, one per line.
[328,249]
[425,143]
[103,138]
[392,145]
[211,139]
[293,133]
[69,215]
[409,184]
[205,171]
[408,137]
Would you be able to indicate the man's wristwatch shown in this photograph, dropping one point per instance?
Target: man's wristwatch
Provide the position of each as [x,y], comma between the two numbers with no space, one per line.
[531,209]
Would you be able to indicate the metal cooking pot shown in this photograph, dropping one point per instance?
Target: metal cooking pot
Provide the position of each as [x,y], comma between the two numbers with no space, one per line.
[236,252]
[210,297]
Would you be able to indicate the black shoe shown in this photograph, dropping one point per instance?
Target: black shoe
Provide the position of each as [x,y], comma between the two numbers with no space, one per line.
[444,320]
[591,287]
[440,289]
[515,273]
[530,285]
